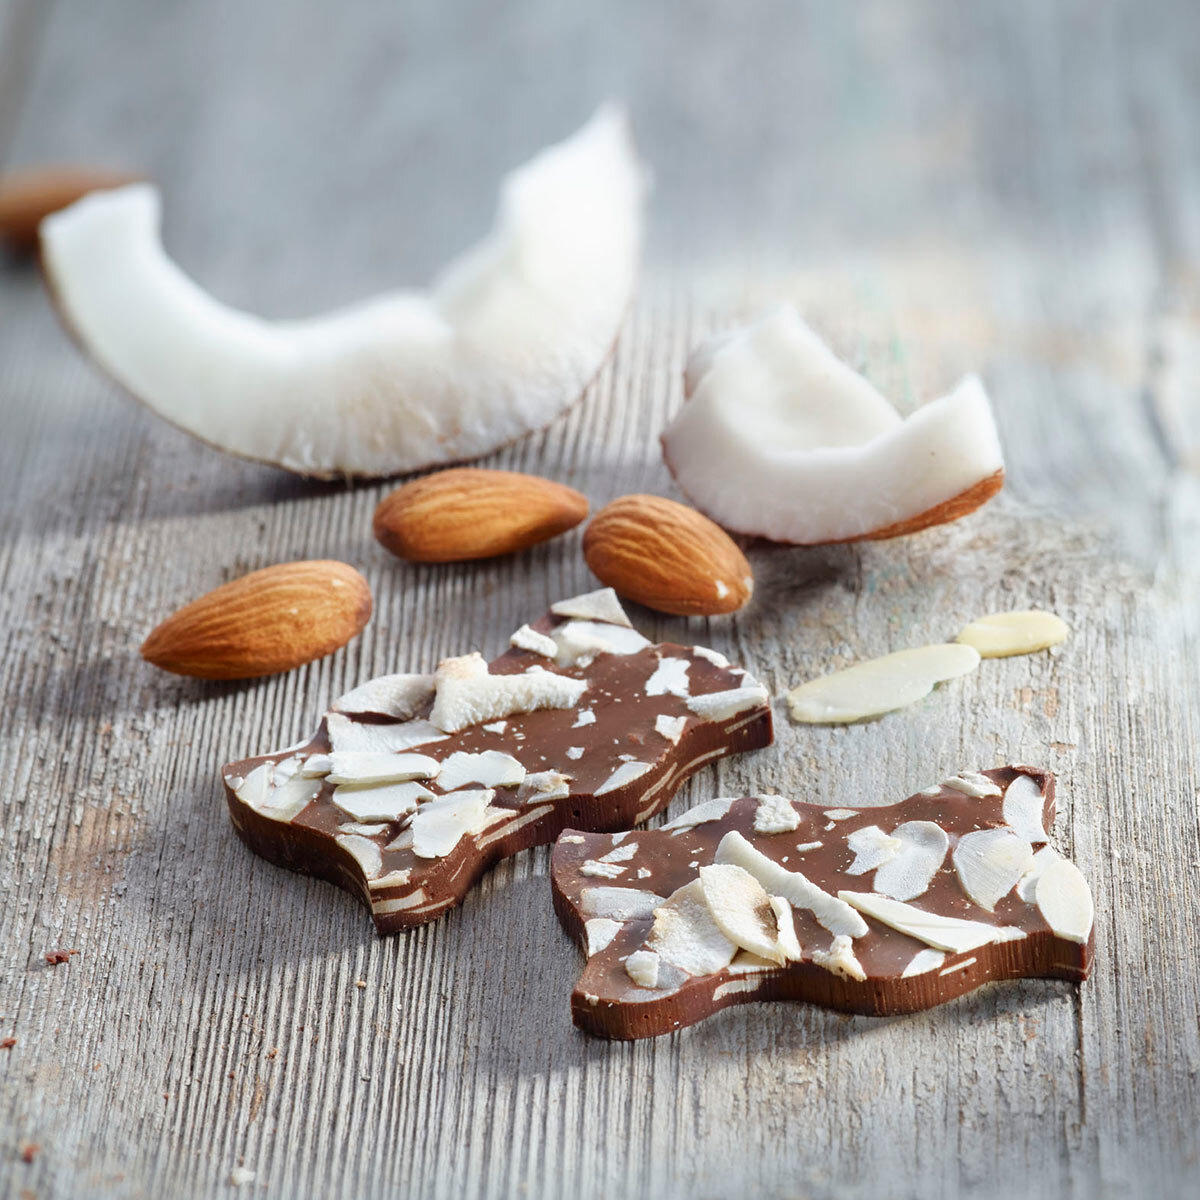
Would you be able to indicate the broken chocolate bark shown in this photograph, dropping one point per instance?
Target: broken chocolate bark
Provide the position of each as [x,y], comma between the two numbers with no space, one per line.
[865,910]
[414,785]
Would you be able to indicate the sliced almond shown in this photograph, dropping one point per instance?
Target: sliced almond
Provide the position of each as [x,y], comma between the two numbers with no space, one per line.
[908,873]
[1003,634]
[470,513]
[268,621]
[990,863]
[667,556]
[880,685]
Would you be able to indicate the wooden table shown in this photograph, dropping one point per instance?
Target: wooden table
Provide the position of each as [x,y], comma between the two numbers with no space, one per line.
[1013,188]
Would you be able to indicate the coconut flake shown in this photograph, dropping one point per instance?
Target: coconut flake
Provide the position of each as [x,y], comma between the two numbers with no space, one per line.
[544,785]
[1024,809]
[600,932]
[840,959]
[370,767]
[670,678]
[670,728]
[529,639]
[713,656]
[357,737]
[366,853]
[399,696]
[578,642]
[720,706]
[642,967]
[742,909]
[990,863]
[467,695]
[775,814]
[799,891]
[601,605]
[586,717]
[386,802]
[940,932]
[789,944]
[619,903]
[626,773]
[686,935]
[437,827]
[601,870]
[880,685]
[908,873]
[701,814]
[622,852]
[491,768]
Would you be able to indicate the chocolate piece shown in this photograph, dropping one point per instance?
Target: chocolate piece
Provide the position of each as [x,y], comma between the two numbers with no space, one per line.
[873,910]
[414,785]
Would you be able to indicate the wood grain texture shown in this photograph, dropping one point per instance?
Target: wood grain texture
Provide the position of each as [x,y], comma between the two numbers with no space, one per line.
[1012,188]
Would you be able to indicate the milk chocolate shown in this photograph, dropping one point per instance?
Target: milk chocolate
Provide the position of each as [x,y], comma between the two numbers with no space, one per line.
[865,910]
[414,785]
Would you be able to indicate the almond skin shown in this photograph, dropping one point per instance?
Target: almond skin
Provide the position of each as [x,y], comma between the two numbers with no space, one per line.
[29,194]
[473,513]
[268,621]
[668,557]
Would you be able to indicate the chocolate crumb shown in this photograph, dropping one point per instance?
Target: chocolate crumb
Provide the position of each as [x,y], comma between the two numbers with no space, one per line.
[29,1151]
[274,1050]
[59,956]
[7,1043]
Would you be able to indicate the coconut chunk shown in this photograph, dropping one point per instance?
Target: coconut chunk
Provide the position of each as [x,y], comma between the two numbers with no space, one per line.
[601,605]
[507,336]
[670,678]
[544,785]
[1003,634]
[840,959]
[871,848]
[399,696]
[529,639]
[810,452]
[941,932]
[578,641]
[789,944]
[467,695]
[720,706]
[831,912]
[642,967]
[437,827]
[775,814]
[990,863]
[713,656]
[880,685]
[1024,809]
[670,728]
[602,870]
[686,934]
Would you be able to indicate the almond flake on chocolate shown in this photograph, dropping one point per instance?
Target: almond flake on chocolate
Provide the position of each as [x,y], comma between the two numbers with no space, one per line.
[366,853]
[720,706]
[642,967]
[714,656]
[972,783]
[990,863]
[735,912]
[386,777]
[602,870]
[1024,805]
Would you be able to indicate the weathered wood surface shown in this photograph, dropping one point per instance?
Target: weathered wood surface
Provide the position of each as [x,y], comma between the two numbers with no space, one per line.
[1011,187]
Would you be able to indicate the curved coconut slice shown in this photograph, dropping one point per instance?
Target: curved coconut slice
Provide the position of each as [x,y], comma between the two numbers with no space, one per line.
[501,344]
[810,452]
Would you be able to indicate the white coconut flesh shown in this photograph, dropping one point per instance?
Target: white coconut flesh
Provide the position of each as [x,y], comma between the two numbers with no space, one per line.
[502,342]
[781,439]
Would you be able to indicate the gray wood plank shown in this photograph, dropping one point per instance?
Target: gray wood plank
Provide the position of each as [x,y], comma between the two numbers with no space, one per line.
[1009,188]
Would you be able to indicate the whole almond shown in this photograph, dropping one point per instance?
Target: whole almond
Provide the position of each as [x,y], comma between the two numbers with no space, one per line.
[473,513]
[268,621]
[29,194]
[668,557]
